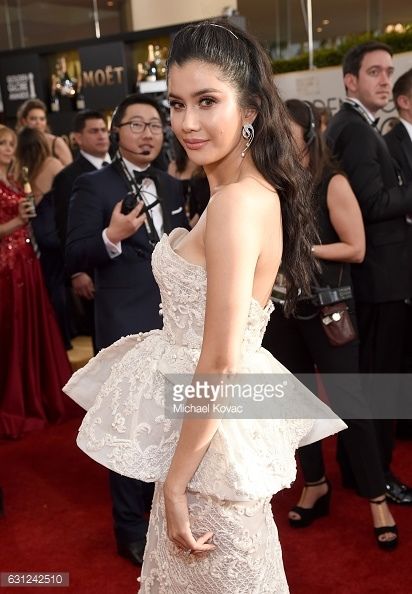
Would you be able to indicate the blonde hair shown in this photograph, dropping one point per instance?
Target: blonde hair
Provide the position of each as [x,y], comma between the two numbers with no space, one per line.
[4,130]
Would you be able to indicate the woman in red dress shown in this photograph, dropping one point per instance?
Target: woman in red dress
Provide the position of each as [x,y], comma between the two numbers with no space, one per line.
[33,362]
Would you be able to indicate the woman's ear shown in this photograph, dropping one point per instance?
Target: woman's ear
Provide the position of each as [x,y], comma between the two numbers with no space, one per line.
[249,115]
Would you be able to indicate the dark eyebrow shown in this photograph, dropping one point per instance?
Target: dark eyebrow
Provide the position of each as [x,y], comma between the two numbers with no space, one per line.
[381,67]
[141,118]
[198,93]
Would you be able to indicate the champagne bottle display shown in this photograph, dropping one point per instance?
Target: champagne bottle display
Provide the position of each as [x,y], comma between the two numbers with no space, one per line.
[160,61]
[80,100]
[65,86]
[54,102]
[54,98]
[151,70]
[140,73]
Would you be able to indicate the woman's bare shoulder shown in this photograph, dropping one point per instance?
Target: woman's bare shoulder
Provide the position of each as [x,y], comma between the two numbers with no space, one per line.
[50,168]
[339,189]
[246,193]
[243,207]
[52,163]
[338,182]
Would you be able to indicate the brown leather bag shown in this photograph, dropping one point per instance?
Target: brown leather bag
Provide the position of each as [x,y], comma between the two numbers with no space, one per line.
[337,324]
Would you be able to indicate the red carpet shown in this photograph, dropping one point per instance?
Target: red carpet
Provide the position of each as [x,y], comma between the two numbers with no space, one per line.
[58,518]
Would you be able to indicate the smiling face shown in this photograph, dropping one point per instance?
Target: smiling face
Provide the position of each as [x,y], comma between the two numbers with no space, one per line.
[7,148]
[36,118]
[141,148]
[205,113]
[373,85]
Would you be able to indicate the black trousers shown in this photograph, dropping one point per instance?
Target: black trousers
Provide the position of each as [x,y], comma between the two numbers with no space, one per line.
[382,332]
[131,499]
[301,345]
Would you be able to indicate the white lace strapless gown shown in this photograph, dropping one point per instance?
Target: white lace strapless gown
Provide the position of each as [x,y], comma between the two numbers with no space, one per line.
[126,430]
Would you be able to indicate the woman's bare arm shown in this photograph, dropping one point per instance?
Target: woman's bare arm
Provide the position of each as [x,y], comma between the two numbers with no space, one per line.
[44,180]
[346,219]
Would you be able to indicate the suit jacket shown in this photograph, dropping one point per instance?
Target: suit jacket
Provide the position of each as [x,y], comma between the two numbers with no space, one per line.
[386,272]
[400,146]
[62,191]
[127,297]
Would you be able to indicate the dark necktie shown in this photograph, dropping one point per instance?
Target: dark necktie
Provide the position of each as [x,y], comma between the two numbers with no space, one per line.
[105,163]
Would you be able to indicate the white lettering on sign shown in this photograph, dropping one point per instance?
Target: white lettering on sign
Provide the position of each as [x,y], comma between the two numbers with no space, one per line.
[102,77]
[21,86]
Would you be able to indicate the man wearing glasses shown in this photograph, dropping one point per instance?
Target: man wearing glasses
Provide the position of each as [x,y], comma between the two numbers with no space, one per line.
[111,235]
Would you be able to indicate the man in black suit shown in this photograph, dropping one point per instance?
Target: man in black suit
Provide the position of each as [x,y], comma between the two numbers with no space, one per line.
[118,248]
[92,138]
[384,280]
[399,139]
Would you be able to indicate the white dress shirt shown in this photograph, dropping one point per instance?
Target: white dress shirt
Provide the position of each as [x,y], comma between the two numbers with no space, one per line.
[370,117]
[149,195]
[96,161]
[408,127]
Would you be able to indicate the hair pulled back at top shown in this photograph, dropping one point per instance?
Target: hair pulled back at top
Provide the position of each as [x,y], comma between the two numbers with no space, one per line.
[246,66]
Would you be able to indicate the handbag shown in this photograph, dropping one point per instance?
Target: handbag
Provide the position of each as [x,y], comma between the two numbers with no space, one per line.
[337,324]
[336,321]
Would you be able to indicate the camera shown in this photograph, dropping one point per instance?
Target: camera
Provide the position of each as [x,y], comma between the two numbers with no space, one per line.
[130,202]
[327,296]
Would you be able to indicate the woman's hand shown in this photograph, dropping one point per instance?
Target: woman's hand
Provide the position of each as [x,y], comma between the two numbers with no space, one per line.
[25,211]
[178,524]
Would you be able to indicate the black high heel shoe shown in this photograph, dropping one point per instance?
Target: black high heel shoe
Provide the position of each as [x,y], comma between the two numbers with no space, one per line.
[386,545]
[319,509]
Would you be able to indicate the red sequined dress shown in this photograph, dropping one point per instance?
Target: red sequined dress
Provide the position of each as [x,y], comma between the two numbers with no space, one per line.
[33,361]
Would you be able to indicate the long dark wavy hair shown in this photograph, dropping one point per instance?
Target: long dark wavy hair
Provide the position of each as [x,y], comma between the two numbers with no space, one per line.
[245,65]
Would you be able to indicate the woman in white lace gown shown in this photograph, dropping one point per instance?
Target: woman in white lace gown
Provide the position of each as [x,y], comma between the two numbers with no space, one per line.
[211,527]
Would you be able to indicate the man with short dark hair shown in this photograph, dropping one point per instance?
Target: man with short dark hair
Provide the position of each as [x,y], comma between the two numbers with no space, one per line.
[92,137]
[117,246]
[384,280]
[399,139]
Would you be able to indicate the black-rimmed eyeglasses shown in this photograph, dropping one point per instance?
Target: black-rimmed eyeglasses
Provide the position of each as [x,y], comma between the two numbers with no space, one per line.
[139,127]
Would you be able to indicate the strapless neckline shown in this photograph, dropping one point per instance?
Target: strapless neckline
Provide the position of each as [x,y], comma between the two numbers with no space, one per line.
[168,241]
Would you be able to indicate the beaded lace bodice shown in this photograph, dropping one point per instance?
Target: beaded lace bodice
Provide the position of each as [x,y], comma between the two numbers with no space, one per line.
[183,290]
[16,244]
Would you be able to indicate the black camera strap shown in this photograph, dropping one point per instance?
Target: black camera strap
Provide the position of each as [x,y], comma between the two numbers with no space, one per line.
[363,112]
[136,190]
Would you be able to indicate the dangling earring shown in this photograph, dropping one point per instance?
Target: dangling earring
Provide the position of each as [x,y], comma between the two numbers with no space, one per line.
[248,133]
